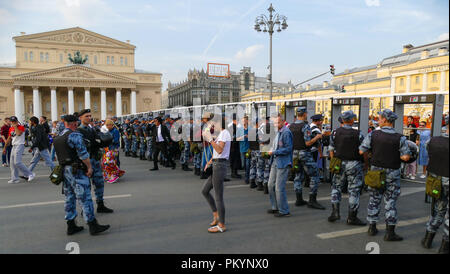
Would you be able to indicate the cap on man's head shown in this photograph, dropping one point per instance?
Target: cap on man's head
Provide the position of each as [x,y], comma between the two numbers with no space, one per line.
[389,115]
[348,115]
[70,118]
[301,110]
[84,111]
[340,119]
[13,119]
[317,117]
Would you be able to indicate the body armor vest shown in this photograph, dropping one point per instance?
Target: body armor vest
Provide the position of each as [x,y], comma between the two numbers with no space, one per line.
[438,153]
[385,149]
[347,144]
[66,154]
[298,136]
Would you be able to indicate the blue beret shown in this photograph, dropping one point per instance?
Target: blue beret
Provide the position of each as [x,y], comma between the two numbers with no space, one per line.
[348,115]
[301,110]
[388,114]
[317,117]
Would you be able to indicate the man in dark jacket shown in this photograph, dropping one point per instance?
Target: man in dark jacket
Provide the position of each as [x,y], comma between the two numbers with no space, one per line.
[161,140]
[40,144]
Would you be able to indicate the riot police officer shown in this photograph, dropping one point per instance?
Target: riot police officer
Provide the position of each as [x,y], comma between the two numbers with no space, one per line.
[438,152]
[302,151]
[256,162]
[142,140]
[263,166]
[388,149]
[127,132]
[90,137]
[148,137]
[344,147]
[134,137]
[187,137]
[73,157]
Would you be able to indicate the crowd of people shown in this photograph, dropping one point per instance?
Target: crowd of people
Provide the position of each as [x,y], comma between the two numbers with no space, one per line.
[300,151]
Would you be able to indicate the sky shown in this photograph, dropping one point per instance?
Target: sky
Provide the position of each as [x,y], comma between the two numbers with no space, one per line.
[173,36]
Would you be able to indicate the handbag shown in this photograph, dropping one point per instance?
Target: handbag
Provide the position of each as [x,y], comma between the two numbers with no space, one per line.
[57,175]
[335,165]
[433,186]
[375,179]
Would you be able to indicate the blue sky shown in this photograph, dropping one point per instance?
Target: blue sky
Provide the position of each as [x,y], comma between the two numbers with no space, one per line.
[173,36]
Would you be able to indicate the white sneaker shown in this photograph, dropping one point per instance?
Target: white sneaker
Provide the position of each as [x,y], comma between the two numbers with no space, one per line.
[13,181]
[423,176]
[31,177]
[413,177]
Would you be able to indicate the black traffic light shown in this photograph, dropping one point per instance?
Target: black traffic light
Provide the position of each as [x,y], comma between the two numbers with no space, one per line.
[332,69]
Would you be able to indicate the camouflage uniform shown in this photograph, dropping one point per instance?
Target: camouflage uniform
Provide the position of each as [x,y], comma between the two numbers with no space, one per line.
[352,172]
[134,139]
[148,130]
[126,141]
[142,141]
[186,153]
[77,186]
[307,164]
[391,191]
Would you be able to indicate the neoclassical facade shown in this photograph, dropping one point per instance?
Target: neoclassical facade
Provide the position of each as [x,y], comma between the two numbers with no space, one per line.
[44,82]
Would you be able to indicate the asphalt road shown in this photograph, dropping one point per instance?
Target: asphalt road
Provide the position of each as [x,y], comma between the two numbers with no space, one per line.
[164,212]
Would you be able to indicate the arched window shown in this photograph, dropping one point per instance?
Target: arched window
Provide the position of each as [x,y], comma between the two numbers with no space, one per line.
[31,56]
[247,82]
[46,57]
[25,56]
[194,82]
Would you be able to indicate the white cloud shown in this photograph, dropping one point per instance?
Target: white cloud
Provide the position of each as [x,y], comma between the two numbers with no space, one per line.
[372,3]
[249,53]
[443,36]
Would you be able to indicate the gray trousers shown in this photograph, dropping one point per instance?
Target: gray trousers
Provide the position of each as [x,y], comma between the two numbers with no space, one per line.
[38,154]
[216,181]
[16,164]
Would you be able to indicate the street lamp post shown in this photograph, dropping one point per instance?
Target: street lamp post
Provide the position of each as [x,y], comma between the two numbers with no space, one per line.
[269,23]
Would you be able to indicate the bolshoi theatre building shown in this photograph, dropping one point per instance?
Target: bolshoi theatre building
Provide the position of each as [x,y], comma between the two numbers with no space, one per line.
[43,82]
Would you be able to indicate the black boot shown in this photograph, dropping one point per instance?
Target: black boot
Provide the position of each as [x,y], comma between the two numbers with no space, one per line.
[134,155]
[266,189]
[253,184]
[127,154]
[140,156]
[313,202]
[101,208]
[197,171]
[186,168]
[372,229]
[235,175]
[260,186]
[444,247]
[95,228]
[390,235]
[143,157]
[335,213]
[428,239]
[72,227]
[300,201]
[353,219]
[154,168]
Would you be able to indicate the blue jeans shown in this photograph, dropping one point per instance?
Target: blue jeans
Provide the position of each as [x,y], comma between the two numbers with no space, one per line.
[246,165]
[38,154]
[6,157]
[277,188]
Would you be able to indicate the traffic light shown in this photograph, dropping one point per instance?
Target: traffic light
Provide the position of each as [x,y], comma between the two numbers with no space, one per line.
[332,69]
[342,88]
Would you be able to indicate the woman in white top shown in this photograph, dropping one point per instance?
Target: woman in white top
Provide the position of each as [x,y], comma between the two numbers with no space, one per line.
[219,162]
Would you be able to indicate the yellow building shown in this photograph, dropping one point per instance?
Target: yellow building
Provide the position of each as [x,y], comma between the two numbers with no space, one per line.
[417,69]
[44,82]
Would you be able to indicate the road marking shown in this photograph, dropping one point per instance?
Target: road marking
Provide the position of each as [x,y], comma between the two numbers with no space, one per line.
[247,185]
[58,202]
[354,231]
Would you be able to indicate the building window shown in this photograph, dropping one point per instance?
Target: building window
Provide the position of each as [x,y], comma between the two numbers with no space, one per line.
[25,56]
[194,82]
[126,61]
[95,107]
[434,78]
[112,60]
[110,107]
[47,106]
[64,108]
[121,60]
[31,56]
[41,55]
[124,108]
[247,82]
[417,80]
[80,106]
[107,60]
[401,82]
[87,59]
[60,57]
[46,57]
[95,59]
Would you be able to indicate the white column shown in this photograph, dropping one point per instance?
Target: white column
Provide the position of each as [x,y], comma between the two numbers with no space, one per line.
[87,98]
[133,102]
[103,104]
[442,80]
[425,82]
[118,102]
[70,101]
[18,111]
[408,83]
[54,104]
[36,101]
[22,105]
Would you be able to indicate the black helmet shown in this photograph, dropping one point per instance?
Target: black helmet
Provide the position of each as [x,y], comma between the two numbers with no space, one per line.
[414,152]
